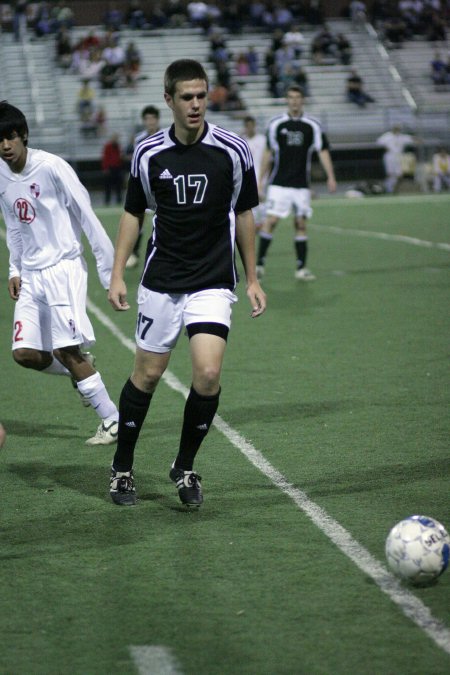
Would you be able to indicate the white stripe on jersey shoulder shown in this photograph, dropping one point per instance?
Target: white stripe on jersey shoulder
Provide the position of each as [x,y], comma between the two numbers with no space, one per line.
[312,120]
[149,143]
[234,141]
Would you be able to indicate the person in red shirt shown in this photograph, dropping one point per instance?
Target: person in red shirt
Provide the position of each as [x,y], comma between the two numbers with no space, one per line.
[112,167]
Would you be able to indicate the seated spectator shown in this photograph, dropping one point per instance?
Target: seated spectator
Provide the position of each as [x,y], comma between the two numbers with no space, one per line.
[355,90]
[43,24]
[217,97]
[63,48]
[234,101]
[62,16]
[441,170]
[395,31]
[89,67]
[439,70]
[135,17]
[344,49]
[132,65]
[197,12]
[282,16]
[109,76]
[157,17]
[436,28]
[253,60]
[295,74]
[323,47]
[241,65]
[295,39]
[85,100]
[358,12]
[113,18]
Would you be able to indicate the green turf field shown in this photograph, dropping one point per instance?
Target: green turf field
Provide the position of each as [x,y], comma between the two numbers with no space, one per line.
[333,426]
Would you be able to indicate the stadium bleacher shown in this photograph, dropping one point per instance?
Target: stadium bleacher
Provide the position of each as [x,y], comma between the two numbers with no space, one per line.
[396,80]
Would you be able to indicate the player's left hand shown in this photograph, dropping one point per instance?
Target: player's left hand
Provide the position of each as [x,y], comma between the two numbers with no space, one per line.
[257,299]
[117,296]
[331,184]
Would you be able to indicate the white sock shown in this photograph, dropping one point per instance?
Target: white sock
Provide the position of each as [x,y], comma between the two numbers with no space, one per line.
[56,368]
[93,389]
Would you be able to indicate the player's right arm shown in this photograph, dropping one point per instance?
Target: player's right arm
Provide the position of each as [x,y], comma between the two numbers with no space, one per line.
[126,239]
[14,288]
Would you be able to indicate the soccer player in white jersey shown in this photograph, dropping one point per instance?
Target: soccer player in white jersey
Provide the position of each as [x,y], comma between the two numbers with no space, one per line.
[46,210]
[200,180]
[394,144]
[291,140]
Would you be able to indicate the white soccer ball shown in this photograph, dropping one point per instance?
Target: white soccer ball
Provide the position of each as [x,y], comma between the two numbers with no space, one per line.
[417,549]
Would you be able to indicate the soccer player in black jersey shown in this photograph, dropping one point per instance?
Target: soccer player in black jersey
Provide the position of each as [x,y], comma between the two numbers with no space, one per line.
[200,180]
[291,140]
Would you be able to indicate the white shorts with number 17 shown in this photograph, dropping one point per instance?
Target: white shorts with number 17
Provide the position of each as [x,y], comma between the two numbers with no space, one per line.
[162,316]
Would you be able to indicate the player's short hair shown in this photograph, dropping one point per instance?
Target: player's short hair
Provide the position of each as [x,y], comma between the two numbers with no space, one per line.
[296,88]
[249,118]
[183,70]
[150,110]
[12,120]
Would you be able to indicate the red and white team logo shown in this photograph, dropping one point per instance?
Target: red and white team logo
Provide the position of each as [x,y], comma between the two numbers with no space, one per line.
[35,190]
[24,211]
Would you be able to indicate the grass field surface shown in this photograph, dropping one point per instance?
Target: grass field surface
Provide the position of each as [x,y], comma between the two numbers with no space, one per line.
[333,426]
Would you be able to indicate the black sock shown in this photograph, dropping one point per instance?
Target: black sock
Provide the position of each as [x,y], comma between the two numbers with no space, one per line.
[199,413]
[133,407]
[264,242]
[301,250]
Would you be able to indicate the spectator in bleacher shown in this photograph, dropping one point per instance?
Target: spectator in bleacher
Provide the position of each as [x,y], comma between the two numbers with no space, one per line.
[90,67]
[197,12]
[394,143]
[295,39]
[294,74]
[156,16]
[241,65]
[234,101]
[282,16]
[441,170]
[439,73]
[344,49]
[113,18]
[253,60]
[217,98]
[395,33]
[358,12]
[20,19]
[112,167]
[135,16]
[256,11]
[62,16]
[43,22]
[323,47]
[436,28]
[63,48]
[85,100]
[132,64]
[355,90]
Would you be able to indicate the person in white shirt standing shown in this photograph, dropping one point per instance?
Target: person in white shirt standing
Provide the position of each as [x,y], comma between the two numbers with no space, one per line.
[257,145]
[394,143]
[441,170]
[46,209]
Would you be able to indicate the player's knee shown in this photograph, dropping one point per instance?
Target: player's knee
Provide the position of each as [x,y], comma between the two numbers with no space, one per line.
[27,358]
[206,381]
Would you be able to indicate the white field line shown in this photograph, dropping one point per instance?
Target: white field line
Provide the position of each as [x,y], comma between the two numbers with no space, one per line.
[409,604]
[154,660]
[382,235]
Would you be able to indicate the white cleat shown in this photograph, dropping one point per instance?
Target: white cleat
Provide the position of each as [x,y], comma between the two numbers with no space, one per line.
[106,435]
[304,275]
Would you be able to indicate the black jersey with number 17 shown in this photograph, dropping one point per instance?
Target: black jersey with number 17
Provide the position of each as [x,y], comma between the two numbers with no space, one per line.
[292,141]
[196,191]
